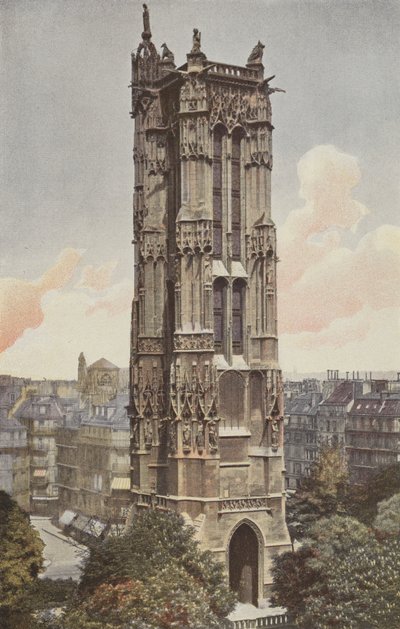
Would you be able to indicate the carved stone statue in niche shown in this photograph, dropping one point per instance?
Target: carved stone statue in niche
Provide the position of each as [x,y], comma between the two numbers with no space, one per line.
[212,437]
[135,434]
[148,435]
[172,438]
[196,41]
[274,434]
[270,273]
[186,437]
[200,441]
[207,270]
[256,54]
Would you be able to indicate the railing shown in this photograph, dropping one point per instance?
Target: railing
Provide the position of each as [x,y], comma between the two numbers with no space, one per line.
[237,71]
[152,500]
[280,620]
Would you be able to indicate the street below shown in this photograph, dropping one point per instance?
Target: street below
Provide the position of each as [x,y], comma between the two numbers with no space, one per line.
[62,555]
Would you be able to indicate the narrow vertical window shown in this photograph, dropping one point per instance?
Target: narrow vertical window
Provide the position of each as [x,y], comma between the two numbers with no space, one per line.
[235,194]
[219,316]
[217,191]
[237,316]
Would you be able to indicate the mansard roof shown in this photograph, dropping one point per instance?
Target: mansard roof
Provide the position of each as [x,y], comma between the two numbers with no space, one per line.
[377,406]
[30,408]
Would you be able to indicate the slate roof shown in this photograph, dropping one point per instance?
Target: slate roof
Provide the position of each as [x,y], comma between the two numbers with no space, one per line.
[118,417]
[102,363]
[30,408]
[375,406]
[342,395]
[302,404]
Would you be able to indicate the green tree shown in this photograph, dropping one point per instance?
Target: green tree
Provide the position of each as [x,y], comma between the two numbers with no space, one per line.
[155,576]
[342,578]
[387,521]
[384,484]
[20,559]
[322,494]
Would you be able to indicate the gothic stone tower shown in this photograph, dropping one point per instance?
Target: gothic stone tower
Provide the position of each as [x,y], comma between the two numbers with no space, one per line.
[206,394]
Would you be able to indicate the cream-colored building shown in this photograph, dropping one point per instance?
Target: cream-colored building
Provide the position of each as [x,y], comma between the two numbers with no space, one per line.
[206,401]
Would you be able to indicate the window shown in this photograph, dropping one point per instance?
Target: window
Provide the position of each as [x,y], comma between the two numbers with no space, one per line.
[235,194]
[219,314]
[217,191]
[237,316]
[42,410]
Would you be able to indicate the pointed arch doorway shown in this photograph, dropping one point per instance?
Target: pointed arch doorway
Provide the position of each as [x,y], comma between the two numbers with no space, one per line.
[243,564]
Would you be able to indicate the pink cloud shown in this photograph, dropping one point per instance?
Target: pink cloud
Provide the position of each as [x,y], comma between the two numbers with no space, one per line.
[20,301]
[97,278]
[118,300]
[320,279]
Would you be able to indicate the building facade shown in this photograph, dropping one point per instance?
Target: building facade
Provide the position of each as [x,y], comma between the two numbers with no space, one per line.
[14,461]
[41,416]
[206,397]
[372,434]
[301,437]
[93,461]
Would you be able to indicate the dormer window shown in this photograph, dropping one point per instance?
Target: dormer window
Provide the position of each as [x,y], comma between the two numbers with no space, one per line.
[42,410]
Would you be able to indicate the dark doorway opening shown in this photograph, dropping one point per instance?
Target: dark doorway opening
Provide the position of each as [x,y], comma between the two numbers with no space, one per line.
[243,564]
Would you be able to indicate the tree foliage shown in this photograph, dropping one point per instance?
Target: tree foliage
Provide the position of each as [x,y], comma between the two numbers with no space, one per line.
[322,494]
[387,521]
[155,576]
[20,556]
[342,578]
[382,486]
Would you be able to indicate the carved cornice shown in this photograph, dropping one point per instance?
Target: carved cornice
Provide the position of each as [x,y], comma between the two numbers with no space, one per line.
[244,504]
[237,106]
[194,342]
[150,345]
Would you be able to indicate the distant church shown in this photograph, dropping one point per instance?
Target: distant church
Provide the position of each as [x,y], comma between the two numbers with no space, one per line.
[206,398]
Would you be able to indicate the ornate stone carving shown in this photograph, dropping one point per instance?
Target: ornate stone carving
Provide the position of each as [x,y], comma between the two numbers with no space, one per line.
[172,447]
[238,106]
[193,95]
[259,243]
[194,237]
[213,437]
[135,434]
[194,342]
[150,345]
[148,434]
[200,440]
[244,504]
[186,436]
[196,45]
[193,399]
[167,54]
[256,54]
[152,245]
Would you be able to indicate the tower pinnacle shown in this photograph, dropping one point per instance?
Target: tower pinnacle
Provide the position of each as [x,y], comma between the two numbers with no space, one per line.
[146,23]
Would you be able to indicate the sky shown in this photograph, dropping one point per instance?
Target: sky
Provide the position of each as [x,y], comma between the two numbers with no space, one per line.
[66,272]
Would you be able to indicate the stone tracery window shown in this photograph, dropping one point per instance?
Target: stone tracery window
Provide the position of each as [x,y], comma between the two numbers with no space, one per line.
[219,133]
[238,307]
[236,217]
[220,288]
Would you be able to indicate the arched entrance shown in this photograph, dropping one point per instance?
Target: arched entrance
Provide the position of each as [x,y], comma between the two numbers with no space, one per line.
[243,564]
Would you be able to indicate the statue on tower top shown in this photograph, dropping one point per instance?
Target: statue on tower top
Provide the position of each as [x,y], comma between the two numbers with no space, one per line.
[146,23]
[196,41]
[256,54]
